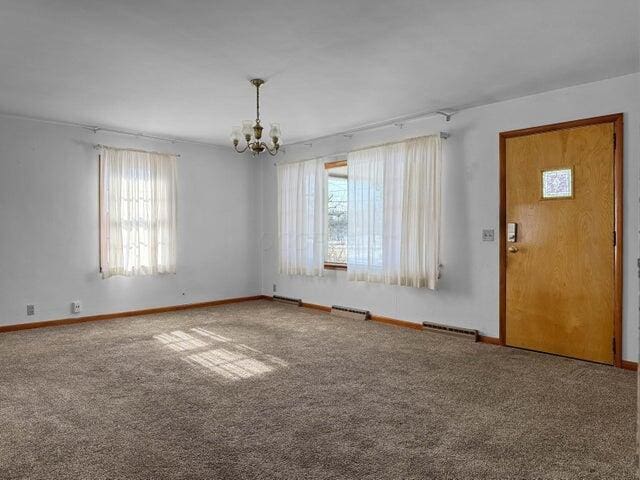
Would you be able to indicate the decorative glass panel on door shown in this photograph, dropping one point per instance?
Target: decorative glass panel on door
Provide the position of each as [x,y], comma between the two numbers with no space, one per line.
[557,183]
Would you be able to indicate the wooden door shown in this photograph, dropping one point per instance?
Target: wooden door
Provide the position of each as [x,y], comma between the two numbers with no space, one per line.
[559,286]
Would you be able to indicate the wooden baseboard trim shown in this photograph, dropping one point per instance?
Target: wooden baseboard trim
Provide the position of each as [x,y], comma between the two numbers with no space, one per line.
[390,321]
[396,322]
[132,313]
[315,306]
[374,318]
[627,365]
[489,340]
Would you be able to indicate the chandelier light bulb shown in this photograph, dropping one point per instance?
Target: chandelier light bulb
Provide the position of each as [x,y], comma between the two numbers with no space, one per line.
[247,127]
[236,134]
[275,131]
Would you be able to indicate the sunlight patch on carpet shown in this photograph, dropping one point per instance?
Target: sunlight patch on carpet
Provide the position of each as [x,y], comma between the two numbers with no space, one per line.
[231,361]
[179,341]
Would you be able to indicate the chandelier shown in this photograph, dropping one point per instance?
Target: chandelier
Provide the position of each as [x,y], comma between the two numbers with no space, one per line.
[252,133]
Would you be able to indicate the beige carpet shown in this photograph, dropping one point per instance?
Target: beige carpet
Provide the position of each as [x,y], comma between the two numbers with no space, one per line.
[261,390]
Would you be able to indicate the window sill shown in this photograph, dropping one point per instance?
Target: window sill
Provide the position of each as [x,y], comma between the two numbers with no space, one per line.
[335,266]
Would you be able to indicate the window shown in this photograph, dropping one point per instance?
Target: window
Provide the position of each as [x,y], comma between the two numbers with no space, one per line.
[337,189]
[137,212]
[557,183]
[379,219]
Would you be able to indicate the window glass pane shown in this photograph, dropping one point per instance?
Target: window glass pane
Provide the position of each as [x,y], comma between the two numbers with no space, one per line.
[557,183]
[337,219]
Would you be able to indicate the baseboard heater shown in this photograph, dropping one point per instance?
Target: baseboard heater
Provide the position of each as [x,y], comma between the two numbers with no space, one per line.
[291,301]
[455,331]
[348,312]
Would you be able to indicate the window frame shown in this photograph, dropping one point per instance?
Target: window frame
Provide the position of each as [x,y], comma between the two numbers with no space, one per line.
[328,166]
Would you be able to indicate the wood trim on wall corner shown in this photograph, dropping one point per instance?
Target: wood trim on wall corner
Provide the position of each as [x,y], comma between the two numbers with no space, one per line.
[132,313]
[392,321]
[315,306]
[489,340]
[395,322]
[627,365]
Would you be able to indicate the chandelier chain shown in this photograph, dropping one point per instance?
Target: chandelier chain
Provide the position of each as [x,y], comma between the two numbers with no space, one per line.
[257,103]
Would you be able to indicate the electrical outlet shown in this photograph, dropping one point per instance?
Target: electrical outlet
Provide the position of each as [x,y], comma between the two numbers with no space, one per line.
[75,306]
[488,235]
[31,310]
[275,288]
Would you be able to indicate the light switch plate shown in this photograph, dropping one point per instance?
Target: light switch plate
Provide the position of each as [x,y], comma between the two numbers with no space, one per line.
[488,235]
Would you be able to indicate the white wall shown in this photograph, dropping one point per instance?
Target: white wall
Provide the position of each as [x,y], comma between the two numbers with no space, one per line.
[49,225]
[49,218]
[468,293]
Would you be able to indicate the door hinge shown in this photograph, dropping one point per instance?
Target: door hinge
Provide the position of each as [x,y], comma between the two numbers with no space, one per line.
[639,268]
[613,345]
[615,238]
[614,141]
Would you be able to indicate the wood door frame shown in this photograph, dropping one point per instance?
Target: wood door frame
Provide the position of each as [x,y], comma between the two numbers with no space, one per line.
[618,127]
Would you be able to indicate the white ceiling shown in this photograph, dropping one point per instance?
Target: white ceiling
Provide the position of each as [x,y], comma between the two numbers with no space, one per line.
[178,68]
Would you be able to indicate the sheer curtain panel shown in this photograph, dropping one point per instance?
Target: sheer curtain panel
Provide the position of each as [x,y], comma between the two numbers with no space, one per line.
[138,208]
[394,213]
[301,217]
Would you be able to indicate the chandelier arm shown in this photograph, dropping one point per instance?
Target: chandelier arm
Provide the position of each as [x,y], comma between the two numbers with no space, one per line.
[272,153]
[235,147]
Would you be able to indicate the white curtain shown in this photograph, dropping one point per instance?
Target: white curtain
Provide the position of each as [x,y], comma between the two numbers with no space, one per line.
[394,213]
[301,217]
[138,208]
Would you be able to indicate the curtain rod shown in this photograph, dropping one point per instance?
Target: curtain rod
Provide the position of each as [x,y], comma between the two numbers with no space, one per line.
[442,135]
[99,146]
[397,121]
